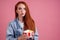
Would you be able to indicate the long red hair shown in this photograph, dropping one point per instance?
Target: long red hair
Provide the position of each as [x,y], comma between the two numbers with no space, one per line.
[28,21]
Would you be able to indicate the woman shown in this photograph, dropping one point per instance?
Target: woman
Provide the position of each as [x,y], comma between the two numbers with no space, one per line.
[23,21]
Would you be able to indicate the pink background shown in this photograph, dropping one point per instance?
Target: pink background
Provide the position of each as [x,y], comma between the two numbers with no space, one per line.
[46,14]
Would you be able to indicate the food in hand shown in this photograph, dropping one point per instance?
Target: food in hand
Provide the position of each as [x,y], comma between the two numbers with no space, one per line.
[29,33]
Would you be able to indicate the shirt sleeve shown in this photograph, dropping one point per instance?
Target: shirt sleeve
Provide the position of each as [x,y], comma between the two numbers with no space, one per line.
[36,35]
[10,33]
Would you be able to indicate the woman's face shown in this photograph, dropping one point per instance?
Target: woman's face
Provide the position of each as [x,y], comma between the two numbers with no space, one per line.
[21,10]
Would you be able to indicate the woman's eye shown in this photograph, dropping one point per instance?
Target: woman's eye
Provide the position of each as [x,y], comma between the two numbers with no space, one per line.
[19,8]
[24,8]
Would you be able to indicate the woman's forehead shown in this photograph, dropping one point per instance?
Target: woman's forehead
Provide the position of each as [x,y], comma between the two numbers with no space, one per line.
[21,5]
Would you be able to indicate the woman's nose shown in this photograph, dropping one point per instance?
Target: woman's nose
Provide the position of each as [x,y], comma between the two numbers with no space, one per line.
[22,10]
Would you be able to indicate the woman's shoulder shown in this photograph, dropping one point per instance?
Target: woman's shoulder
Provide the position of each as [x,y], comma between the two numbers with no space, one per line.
[12,22]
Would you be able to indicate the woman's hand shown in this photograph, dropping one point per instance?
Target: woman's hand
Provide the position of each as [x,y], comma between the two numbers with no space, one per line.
[22,37]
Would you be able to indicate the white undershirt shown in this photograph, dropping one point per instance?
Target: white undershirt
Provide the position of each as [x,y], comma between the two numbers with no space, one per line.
[21,24]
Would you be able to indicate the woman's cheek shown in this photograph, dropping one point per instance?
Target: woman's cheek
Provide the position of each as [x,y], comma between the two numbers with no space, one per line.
[24,13]
[19,12]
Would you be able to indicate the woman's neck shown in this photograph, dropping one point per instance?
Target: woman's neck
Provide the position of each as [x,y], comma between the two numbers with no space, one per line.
[20,19]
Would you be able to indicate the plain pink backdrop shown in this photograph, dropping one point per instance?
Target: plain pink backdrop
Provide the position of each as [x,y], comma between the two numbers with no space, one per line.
[46,14]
